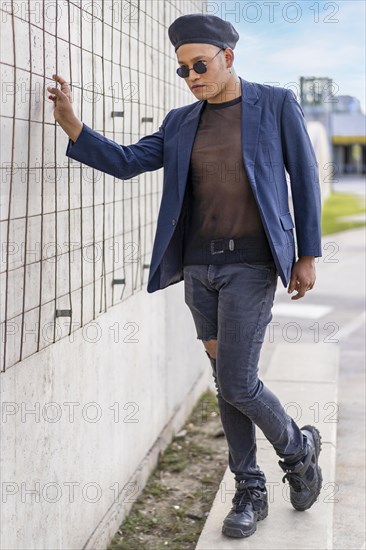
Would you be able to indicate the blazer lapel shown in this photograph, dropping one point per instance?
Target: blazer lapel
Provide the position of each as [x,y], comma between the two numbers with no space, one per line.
[250,119]
[187,134]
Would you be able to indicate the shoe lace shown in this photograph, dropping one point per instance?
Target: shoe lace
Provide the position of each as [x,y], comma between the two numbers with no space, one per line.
[242,498]
[297,482]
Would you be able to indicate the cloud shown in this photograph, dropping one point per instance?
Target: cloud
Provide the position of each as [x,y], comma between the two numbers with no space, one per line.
[283,51]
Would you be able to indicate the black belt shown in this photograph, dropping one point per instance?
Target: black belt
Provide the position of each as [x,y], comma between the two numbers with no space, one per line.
[218,246]
[251,248]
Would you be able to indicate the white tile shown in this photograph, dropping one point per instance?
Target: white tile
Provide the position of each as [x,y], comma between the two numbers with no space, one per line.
[47,323]
[87,262]
[38,96]
[61,189]
[21,143]
[74,179]
[50,16]
[75,18]
[62,231]
[63,275]
[15,292]
[32,286]
[12,336]
[76,310]
[49,150]
[75,263]
[34,245]
[87,25]
[5,150]
[30,333]
[63,20]
[97,37]
[2,294]
[75,227]
[75,67]
[88,298]
[8,90]
[6,35]
[49,236]
[37,49]
[21,30]
[35,191]
[35,149]
[48,280]
[63,58]
[16,243]
[17,200]
[50,55]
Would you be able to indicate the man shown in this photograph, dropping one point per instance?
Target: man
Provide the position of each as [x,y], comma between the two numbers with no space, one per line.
[225,228]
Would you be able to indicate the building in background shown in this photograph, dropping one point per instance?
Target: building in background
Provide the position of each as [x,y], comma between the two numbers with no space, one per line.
[349,136]
[343,121]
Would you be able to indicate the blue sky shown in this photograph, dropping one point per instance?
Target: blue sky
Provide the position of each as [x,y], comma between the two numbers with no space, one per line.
[282,40]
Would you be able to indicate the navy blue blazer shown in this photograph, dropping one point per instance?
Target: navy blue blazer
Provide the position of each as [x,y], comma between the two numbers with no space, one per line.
[274,137]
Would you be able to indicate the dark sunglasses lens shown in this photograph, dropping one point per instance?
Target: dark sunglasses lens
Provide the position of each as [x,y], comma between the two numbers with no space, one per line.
[200,67]
[183,72]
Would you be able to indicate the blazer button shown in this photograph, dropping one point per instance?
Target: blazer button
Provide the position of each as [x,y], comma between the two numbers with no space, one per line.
[173,221]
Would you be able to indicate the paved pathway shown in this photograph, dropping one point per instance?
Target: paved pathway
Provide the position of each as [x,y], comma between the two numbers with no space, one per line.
[310,344]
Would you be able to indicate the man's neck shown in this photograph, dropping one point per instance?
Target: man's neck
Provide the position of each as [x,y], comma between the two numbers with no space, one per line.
[231,91]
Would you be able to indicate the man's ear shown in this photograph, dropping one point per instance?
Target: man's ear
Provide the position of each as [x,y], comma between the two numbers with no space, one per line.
[229,57]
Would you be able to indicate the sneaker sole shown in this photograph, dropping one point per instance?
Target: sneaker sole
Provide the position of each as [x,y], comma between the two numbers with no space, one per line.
[318,446]
[237,533]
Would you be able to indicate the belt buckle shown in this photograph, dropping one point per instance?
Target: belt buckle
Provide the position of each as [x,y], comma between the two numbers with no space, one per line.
[212,246]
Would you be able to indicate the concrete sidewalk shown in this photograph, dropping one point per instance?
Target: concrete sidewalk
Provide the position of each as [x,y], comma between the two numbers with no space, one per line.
[305,378]
[307,386]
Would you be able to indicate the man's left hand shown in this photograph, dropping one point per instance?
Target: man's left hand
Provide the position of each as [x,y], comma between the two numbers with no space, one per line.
[302,276]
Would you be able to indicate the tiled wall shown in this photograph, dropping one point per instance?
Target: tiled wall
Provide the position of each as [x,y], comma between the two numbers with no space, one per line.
[67,231]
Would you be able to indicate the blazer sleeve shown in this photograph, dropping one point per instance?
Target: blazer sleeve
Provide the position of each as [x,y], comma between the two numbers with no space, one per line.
[302,166]
[121,161]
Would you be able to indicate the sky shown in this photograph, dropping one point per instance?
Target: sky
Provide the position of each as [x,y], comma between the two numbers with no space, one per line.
[282,40]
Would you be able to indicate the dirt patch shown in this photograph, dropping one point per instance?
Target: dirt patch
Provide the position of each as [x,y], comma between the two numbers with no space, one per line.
[172,509]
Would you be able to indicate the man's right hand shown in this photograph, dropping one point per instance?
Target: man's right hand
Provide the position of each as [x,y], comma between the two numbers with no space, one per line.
[63,111]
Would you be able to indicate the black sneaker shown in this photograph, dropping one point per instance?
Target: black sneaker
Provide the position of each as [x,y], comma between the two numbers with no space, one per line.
[305,477]
[250,504]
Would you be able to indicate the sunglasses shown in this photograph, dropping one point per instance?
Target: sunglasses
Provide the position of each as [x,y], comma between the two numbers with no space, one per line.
[199,67]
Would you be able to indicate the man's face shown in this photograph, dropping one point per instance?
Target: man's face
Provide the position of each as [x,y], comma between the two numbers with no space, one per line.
[210,83]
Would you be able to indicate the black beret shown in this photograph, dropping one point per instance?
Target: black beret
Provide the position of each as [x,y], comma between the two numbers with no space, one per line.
[204,29]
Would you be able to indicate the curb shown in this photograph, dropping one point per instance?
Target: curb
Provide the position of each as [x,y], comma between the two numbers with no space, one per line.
[308,391]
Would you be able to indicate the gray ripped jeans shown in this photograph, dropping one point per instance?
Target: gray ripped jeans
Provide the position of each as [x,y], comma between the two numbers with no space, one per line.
[232,303]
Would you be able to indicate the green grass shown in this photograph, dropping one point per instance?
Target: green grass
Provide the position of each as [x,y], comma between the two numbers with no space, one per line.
[171,523]
[337,205]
